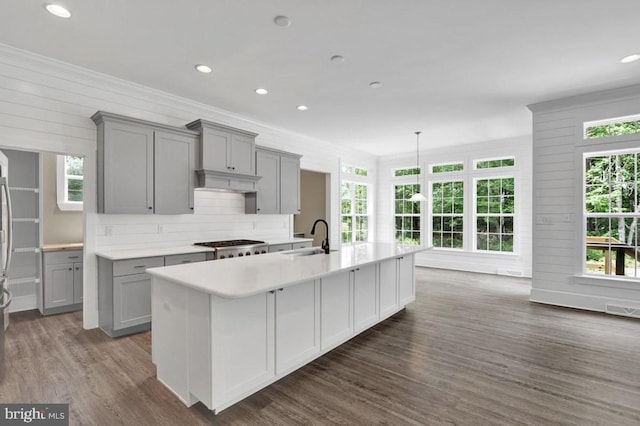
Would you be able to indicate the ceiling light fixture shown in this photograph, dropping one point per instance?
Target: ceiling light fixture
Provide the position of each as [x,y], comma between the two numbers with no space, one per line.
[417,196]
[262,91]
[338,59]
[282,21]
[59,11]
[204,68]
[630,58]
[375,85]
[302,108]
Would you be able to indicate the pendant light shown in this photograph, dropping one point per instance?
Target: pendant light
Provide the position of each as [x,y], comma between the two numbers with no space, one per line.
[417,196]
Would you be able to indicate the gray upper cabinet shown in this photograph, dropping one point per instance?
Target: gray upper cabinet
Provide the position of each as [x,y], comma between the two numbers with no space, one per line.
[278,191]
[144,167]
[225,149]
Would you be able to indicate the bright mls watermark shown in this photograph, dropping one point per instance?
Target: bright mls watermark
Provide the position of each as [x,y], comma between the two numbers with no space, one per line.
[34,414]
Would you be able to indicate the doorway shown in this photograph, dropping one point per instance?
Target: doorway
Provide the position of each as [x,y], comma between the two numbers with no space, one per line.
[314,196]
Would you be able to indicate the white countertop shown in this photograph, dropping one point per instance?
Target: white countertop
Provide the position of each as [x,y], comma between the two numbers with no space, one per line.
[248,276]
[150,252]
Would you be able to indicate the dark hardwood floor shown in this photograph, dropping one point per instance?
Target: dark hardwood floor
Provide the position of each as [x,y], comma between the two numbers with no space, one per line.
[471,350]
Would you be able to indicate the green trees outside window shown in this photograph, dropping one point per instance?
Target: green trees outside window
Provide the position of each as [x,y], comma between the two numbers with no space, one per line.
[495,209]
[355,212]
[407,214]
[447,208]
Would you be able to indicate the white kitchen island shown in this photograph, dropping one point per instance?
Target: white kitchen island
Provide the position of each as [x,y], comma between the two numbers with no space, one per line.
[224,329]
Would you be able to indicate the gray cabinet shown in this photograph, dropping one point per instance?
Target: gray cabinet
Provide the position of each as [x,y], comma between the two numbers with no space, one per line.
[278,191]
[124,291]
[62,283]
[289,246]
[225,149]
[143,167]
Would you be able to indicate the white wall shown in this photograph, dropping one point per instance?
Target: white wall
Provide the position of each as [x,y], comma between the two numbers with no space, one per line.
[46,105]
[558,147]
[518,263]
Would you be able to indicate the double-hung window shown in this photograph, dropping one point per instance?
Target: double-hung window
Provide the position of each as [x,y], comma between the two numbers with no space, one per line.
[407,213]
[355,205]
[70,182]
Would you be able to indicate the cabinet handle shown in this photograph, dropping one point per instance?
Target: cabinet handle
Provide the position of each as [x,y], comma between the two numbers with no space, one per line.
[233,168]
[150,208]
[77,268]
[186,261]
[190,208]
[258,209]
[272,291]
[139,266]
[73,257]
[71,269]
[280,289]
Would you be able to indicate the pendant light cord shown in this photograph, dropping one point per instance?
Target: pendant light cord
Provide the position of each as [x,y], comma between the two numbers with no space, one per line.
[418,159]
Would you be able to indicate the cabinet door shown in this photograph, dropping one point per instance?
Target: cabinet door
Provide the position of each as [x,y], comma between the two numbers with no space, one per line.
[243,343]
[268,195]
[406,280]
[215,145]
[131,300]
[128,169]
[365,298]
[242,154]
[336,304]
[289,185]
[297,325]
[77,283]
[388,287]
[174,164]
[58,285]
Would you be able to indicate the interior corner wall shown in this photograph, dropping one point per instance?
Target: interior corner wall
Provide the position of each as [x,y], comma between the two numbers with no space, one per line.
[517,264]
[558,148]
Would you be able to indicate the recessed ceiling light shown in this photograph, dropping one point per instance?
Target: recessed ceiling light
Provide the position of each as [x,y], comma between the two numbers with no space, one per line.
[204,68]
[262,91]
[375,85]
[302,108]
[630,58]
[282,21]
[58,10]
[337,59]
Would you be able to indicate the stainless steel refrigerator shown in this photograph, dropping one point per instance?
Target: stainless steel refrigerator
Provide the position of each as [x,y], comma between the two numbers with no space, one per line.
[6,247]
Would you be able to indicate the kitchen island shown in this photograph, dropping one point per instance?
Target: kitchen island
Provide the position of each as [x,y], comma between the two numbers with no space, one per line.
[225,329]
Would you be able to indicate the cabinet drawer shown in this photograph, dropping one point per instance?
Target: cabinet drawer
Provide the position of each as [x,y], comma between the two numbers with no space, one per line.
[305,244]
[178,259]
[136,266]
[279,247]
[62,256]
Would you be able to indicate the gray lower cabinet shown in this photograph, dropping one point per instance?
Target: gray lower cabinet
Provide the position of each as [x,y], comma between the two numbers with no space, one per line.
[278,190]
[144,167]
[124,291]
[62,281]
[289,246]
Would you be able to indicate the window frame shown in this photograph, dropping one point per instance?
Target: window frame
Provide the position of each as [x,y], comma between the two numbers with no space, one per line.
[62,185]
[489,174]
[353,213]
[410,179]
[430,214]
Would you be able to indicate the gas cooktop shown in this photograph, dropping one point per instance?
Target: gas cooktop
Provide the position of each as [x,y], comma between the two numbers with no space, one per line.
[229,243]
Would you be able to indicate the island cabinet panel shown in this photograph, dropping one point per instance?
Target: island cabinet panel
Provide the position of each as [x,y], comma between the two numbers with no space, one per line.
[297,325]
[388,287]
[336,295]
[406,280]
[243,342]
[365,298]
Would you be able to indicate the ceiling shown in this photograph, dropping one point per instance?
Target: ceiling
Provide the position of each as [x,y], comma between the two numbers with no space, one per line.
[460,71]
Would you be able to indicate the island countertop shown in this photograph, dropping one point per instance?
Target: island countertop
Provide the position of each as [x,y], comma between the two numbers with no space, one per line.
[248,276]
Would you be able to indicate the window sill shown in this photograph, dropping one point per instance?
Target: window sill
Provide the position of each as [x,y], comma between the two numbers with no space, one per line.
[609,281]
[77,207]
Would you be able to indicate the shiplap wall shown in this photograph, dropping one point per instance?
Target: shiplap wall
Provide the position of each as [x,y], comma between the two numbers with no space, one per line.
[558,244]
[46,105]
[519,263]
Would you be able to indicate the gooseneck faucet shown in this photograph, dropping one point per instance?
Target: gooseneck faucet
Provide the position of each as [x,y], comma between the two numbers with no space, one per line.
[325,242]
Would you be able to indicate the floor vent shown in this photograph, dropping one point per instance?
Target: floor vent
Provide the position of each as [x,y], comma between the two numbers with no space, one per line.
[626,311]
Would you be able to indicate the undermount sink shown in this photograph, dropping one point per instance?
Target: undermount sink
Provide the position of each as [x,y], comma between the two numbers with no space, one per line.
[307,252]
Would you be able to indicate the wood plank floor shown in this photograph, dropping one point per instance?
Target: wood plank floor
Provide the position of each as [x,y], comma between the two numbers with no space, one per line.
[470,351]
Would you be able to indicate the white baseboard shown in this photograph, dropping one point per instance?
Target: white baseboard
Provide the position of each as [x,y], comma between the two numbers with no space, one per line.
[578,301]
[23,303]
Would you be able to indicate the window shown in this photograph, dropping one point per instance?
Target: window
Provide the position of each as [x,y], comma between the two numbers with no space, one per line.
[447,208]
[70,182]
[407,214]
[358,171]
[495,163]
[612,209]
[355,212]
[411,171]
[495,208]
[445,168]
[612,127]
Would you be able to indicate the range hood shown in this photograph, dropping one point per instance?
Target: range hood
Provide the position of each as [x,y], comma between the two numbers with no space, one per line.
[214,180]
[227,158]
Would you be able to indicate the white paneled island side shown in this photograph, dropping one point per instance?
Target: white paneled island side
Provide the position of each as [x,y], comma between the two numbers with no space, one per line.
[224,329]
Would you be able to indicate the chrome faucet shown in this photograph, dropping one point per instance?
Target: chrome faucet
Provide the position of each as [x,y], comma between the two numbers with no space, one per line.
[325,242]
